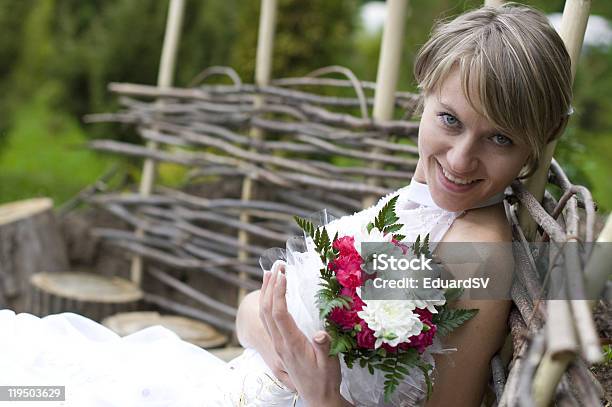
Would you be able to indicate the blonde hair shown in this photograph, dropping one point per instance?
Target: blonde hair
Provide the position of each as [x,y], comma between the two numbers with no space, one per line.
[516,63]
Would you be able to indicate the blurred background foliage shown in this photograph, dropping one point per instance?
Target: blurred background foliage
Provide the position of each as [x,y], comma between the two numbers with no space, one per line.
[59,55]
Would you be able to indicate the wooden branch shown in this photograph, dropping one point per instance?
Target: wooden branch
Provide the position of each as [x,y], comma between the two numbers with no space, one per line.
[193,293]
[499,376]
[189,311]
[537,212]
[531,361]
[185,263]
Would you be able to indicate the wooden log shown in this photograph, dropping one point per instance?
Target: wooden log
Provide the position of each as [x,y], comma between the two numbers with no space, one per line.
[30,242]
[92,295]
[195,332]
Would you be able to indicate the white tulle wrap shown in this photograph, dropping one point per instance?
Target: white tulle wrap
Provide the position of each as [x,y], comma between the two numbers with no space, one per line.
[153,367]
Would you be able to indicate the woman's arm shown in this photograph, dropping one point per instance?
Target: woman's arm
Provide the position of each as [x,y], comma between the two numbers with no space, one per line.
[461,377]
[249,329]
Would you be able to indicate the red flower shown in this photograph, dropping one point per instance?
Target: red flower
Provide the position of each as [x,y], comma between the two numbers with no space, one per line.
[365,337]
[420,341]
[348,270]
[346,245]
[424,314]
[348,264]
[425,338]
[347,318]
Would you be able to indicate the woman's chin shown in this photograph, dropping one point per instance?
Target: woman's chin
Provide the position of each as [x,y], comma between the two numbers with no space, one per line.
[451,203]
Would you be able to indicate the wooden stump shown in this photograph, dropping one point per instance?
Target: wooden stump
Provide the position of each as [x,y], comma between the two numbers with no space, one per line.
[93,295]
[30,242]
[195,332]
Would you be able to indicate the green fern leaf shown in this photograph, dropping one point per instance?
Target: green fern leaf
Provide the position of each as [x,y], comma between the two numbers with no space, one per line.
[450,319]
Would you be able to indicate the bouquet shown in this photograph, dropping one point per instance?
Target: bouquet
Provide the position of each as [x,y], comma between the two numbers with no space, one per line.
[385,335]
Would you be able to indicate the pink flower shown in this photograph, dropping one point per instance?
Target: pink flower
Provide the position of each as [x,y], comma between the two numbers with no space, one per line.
[365,337]
[346,245]
[424,314]
[348,264]
[347,318]
[348,270]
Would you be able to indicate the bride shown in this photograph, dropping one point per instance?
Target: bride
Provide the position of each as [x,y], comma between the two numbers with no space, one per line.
[497,87]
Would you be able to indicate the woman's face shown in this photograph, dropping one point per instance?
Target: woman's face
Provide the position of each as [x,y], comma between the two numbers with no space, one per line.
[462,158]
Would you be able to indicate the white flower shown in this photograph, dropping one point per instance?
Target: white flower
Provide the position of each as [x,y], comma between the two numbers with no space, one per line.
[392,321]
[373,236]
[431,304]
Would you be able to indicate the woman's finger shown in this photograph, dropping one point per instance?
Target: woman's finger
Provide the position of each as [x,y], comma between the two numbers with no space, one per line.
[283,376]
[285,323]
[263,300]
[269,315]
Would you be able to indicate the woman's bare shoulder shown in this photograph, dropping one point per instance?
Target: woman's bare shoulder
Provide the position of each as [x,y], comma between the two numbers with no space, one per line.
[481,225]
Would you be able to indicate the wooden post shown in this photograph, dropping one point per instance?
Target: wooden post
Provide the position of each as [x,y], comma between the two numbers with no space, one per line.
[389,64]
[550,371]
[597,271]
[494,3]
[573,26]
[263,72]
[164,80]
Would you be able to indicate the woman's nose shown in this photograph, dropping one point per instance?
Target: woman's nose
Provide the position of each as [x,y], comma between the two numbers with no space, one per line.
[461,158]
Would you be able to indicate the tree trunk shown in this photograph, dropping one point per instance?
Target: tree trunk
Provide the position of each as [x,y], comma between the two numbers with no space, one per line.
[30,242]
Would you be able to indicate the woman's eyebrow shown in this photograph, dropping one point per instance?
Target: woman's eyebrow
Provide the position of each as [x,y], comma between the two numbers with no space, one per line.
[447,107]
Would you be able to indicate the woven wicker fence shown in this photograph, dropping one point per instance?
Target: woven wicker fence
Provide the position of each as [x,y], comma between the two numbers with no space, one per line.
[320,150]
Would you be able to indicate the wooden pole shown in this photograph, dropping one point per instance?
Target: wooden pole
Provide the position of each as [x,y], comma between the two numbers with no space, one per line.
[494,3]
[263,72]
[556,360]
[389,64]
[597,272]
[164,80]
[573,27]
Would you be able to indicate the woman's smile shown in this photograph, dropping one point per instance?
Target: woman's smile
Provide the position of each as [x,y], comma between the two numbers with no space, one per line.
[455,184]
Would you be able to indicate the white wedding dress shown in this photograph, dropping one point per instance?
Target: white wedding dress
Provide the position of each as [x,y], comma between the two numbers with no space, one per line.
[153,367]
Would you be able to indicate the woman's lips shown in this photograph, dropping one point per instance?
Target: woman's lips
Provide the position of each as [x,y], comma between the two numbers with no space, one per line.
[451,186]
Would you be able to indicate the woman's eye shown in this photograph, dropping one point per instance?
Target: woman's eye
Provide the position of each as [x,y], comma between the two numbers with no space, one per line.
[502,140]
[449,120]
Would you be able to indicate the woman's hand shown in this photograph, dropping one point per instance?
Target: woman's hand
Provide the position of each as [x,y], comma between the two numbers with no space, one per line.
[274,362]
[314,374]
[252,334]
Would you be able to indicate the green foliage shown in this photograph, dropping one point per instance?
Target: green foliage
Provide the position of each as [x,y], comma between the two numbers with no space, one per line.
[309,35]
[386,218]
[607,353]
[45,157]
[452,294]
[449,319]
[422,248]
[74,48]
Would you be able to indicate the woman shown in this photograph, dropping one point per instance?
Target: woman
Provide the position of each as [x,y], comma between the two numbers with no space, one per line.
[496,85]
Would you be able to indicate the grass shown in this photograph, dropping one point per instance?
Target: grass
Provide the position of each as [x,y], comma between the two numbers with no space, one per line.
[44,155]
